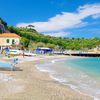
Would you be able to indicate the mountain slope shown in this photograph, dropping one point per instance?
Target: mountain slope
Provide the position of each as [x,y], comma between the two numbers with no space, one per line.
[31,38]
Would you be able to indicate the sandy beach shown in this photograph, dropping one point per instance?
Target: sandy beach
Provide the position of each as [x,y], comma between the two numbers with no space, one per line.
[28,83]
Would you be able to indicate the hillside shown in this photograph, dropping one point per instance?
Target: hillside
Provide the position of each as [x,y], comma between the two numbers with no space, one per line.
[32,39]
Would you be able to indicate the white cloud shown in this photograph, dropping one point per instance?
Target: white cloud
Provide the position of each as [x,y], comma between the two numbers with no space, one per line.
[88,10]
[66,20]
[59,34]
[96,16]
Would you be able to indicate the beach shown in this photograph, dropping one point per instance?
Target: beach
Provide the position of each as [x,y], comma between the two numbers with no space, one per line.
[28,83]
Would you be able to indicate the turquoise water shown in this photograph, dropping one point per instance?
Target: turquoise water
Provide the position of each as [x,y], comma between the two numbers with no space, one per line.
[81,74]
[90,66]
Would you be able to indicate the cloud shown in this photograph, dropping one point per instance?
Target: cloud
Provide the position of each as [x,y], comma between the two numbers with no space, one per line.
[67,20]
[59,34]
[96,16]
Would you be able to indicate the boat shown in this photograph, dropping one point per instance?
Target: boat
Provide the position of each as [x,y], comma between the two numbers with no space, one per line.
[14,52]
[28,53]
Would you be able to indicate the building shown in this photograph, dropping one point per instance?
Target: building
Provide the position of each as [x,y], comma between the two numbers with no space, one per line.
[97,49]
[9,39]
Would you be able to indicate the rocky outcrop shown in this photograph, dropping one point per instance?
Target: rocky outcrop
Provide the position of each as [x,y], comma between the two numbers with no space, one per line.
[2,28]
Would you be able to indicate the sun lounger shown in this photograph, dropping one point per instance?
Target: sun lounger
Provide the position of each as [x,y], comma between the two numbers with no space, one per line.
[7,65]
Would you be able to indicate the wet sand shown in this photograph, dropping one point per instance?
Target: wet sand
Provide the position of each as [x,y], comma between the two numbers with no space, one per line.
[28,83]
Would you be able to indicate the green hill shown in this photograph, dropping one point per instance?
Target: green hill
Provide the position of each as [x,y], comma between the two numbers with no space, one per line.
[31,39]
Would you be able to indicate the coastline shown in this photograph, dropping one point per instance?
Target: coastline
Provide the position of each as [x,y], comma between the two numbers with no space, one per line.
[31,84]
[61,81]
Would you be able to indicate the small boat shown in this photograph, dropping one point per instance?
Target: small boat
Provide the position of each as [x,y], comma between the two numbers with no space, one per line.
[15,52]
[28,53]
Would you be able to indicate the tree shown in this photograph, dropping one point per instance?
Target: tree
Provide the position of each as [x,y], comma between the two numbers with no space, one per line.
[32,45]
[40,44]
[40,40]
[49,45]
[30,26]
[25,42]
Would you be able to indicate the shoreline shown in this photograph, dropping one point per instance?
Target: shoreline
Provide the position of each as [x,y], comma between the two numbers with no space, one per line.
[36,85]
[54,79]
[58,80]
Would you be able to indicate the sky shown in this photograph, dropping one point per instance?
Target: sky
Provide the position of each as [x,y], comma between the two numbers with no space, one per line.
[60,18]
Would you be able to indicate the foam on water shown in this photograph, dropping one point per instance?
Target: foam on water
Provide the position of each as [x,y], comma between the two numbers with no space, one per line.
[71,73]
[58,79]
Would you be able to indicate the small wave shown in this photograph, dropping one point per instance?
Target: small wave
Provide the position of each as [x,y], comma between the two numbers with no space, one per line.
[65,82]
[58,79]
[68,76]
[42,69]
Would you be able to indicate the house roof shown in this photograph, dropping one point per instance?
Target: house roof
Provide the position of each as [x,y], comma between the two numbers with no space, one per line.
[9,35]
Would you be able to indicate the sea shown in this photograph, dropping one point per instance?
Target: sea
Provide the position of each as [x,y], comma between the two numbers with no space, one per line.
[81,74]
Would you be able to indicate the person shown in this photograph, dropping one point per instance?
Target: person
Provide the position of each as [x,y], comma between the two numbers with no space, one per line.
[23,53]
[14,62]
[7,54]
